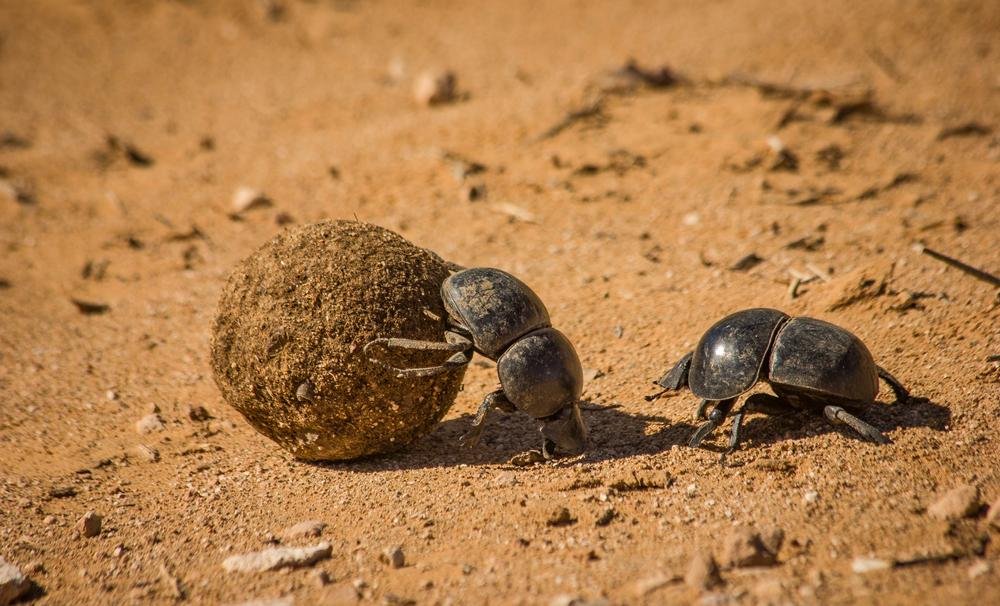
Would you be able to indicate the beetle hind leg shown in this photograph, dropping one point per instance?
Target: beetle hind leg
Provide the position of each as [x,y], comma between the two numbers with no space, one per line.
[837,415]
[902,394]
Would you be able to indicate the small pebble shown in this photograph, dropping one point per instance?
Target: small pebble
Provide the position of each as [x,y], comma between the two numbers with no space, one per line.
[149,424]
[146,453]
[703,572]
[959,502]
[198,413]
[866,565]
[978,569]
[248,198]
[62,492]
[13,583]
[89,525]
[277,557]
[560,517]
[435,88]
[607,516]
[993,517]
[393,556]
[322,577]
[810,497]
[744,547]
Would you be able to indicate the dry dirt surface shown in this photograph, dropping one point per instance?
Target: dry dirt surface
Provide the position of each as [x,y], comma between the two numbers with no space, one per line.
[758,153]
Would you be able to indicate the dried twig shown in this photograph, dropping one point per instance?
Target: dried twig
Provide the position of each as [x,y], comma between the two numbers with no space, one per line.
[591,110]
[972,271]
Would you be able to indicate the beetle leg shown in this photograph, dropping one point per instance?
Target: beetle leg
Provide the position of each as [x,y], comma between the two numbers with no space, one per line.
[715,418]
[496,399]
[837,415]
[901,393]
[699,413]
[459,345]
[759,402]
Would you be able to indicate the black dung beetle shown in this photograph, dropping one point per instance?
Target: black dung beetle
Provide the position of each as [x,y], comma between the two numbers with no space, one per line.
[497,315]
[810,364]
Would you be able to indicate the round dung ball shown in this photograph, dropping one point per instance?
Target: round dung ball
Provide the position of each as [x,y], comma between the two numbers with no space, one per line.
[292,323]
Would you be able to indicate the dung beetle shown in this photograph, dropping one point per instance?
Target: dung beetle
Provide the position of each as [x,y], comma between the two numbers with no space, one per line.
[495,314]
[810,364]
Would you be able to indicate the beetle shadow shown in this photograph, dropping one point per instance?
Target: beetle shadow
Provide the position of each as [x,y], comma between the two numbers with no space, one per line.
[761,430]
[614,434]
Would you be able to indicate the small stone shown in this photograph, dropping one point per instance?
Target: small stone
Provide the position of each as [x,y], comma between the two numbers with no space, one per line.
[743,547]
[309,528]
[89,525]
[810,497]
[322,577]
[527,458]
[993,517]
[691,491]
[13,583]
[435,88]
[149,424]
[360,587]
[703,572]
[62,492]
[473,191]
[959,502]
[607,516]
[560,517]
[393,556]
[146,453]
[198,413]
[277,557]
[866,565]
[248,198]
[49,520]
[978,569]
[304,392]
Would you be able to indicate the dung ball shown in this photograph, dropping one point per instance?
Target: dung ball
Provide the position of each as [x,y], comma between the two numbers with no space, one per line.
[289,335]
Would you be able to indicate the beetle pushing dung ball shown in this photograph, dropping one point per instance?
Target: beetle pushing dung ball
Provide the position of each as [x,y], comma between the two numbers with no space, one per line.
[289,337]
[497,315]
[810,364]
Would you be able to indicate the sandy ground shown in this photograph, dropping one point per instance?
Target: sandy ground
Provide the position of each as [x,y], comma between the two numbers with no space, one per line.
[128,126]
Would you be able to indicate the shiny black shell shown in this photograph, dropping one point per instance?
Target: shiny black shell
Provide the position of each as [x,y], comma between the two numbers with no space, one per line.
[730,355]
[808,361]
[495,307]
[541,373]
[823,363]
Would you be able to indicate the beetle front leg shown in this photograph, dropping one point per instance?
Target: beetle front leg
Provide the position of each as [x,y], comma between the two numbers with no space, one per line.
[715,418]
[675,379]
[496,399]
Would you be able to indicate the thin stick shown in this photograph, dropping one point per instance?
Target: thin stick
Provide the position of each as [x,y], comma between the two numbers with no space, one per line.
[972,271]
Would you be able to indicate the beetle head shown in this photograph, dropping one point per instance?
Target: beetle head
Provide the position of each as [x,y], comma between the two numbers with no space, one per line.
[565,430]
